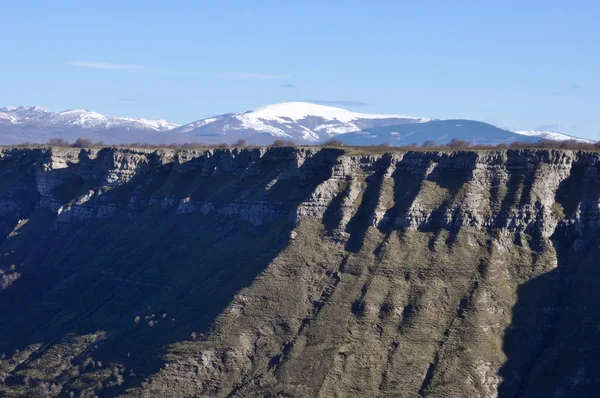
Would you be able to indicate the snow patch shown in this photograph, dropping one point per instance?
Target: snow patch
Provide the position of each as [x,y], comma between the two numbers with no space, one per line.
[301,110]
[551,135]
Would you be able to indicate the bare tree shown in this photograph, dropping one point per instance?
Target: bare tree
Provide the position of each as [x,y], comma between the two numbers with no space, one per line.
[241,143]
[429,144]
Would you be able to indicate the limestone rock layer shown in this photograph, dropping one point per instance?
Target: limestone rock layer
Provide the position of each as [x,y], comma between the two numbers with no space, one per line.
[299,272]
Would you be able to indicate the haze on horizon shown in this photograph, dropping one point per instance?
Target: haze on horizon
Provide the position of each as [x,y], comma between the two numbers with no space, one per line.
[520,66]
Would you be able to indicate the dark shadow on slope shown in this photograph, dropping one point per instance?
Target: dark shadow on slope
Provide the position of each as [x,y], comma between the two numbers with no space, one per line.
[360,222]
[407,184]
[579,187]
[451,173]
[333,213]
[518,186]
[17,178]
[552,343]
[531,331]
[150,280]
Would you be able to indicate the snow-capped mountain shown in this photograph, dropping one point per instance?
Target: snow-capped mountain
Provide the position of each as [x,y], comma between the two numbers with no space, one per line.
[301,122]
[443,131]
[550,135]
[35,115]
[37,124]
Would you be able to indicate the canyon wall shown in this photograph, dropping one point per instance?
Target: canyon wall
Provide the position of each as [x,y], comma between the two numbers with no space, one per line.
[299,272]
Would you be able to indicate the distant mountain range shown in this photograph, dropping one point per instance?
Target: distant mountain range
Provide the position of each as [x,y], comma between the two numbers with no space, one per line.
[37,124]
[301,122]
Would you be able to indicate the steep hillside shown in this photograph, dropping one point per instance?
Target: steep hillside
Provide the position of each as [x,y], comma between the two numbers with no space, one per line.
[299,272]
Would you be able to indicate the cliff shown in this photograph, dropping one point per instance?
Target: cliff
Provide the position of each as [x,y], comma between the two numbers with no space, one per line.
[298,272]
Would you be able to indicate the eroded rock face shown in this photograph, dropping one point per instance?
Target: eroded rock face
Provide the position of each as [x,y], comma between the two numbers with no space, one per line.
[299,272]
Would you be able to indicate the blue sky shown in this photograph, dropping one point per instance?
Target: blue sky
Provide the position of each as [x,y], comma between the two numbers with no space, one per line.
[522,66]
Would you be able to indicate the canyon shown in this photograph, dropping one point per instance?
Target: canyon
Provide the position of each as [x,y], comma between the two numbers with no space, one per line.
[299,272]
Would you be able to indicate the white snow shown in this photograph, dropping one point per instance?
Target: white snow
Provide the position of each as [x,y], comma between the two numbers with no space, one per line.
[333,129]
[300,110]
[210,120]
[309,135]
[194,125]
[254,123]
[24,109]
[551,135]
[8,117]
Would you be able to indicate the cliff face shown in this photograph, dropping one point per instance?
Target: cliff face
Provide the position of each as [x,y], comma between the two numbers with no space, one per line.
[299,272]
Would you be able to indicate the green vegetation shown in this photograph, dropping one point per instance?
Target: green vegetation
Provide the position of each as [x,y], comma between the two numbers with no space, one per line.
[432,274]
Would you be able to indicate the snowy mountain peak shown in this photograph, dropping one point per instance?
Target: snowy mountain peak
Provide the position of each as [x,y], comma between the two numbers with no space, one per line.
[550,135]
[299,121]
[77,118]
[18,109]
[301,110]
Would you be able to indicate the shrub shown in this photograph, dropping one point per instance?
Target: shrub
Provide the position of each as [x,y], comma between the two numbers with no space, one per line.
[558,210]
[58,142]
[282,143]
[333,142]
[193,145]
[456,143]
[519,145]
[82,143]
[569,144]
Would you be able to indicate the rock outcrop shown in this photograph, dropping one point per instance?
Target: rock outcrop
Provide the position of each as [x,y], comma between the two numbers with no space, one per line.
[299,272]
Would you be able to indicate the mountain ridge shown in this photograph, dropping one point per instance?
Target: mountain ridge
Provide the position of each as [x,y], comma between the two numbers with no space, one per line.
[301,122]
[24,115]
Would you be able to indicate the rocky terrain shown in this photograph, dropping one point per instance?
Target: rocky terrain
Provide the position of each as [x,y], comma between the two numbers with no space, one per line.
[299,272]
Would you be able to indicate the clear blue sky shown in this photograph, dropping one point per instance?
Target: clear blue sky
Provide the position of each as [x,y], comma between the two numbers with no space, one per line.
[517,64]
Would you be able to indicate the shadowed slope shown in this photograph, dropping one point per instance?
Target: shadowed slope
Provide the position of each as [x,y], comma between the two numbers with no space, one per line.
[298,272]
